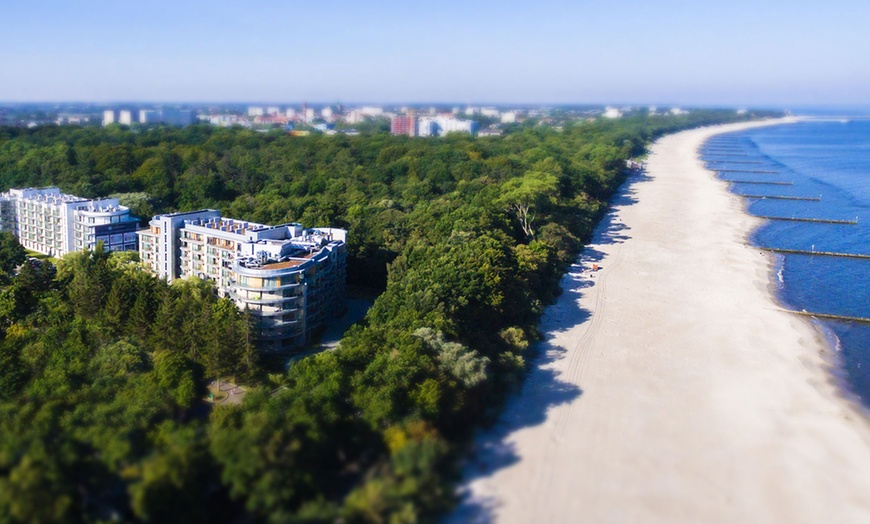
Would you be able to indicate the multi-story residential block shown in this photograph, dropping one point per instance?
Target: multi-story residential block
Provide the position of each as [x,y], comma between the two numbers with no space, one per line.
[54,223]
[289,278]
[149,116]
[125,116]
[108,117]
[403,125]
[509,117]
[443,124]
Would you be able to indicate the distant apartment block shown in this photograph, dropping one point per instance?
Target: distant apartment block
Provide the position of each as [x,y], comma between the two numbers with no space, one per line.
[508,118]
[172,117]
[441,125]
[54,223]
[403,125]
[612,112]
[149,116]
[125,116]
[291,279]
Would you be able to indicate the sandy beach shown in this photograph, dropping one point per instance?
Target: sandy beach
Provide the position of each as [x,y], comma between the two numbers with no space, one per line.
[670,386]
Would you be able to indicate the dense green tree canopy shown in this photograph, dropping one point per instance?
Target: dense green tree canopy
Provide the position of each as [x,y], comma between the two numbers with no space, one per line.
[103,368]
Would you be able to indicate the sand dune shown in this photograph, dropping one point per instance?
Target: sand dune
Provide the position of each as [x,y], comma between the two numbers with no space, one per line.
[671,387]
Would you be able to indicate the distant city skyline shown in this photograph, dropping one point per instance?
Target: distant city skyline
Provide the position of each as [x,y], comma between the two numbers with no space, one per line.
[675,52]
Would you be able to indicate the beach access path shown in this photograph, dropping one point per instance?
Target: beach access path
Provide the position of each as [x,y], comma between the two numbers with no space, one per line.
[670,386]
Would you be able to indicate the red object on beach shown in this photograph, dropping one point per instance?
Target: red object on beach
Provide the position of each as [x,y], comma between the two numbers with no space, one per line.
[594,267]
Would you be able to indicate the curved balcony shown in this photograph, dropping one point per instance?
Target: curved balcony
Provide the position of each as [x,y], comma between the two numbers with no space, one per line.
[236,284]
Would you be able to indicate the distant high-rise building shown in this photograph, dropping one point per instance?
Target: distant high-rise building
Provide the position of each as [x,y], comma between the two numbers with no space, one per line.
[273,110]
[177,117]
[326,113]
[509,117]
[612,112]
[108,117]
[371,111]
[255,111]
[309,114]
[149,116]
[125,117]
[403,125]
[441,125]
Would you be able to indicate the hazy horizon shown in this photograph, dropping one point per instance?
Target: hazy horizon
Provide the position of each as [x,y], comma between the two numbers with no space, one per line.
[553,53]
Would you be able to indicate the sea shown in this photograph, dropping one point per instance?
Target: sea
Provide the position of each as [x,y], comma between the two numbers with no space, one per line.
[825,160]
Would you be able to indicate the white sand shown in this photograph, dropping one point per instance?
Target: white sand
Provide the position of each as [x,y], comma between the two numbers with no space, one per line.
[671,387]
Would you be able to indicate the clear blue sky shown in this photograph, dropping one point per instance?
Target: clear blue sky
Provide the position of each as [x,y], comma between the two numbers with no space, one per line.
[736,52]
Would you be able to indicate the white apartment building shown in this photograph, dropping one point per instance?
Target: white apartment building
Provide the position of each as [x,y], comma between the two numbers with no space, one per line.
[54,223]
[612,112]
[108,117]
[441,125]
[125,116]
[289,278]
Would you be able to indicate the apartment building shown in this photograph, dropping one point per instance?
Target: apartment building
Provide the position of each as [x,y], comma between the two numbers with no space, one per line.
[54,223]
[289,278]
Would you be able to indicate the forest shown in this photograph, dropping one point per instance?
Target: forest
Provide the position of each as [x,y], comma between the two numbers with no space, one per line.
[104,368]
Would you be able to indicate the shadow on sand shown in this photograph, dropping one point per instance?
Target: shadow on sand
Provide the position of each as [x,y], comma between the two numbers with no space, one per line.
[543,388]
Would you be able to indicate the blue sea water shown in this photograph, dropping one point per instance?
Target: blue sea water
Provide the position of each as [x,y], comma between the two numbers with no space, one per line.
[826,158]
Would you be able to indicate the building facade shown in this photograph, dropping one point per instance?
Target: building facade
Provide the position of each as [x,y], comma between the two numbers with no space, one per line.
[289,278]
[443,124]
[403,125]
[54,223]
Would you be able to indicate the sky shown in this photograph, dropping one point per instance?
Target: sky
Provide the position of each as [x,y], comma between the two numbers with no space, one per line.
[768,53]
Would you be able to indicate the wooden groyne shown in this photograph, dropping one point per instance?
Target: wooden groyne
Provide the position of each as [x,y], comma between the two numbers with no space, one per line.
[814,253]
[716,153]
[756,171]
[782,197]
[829,316]
[760,183]
[816,220]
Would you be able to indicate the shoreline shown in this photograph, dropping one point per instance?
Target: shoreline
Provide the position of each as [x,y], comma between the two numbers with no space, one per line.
[832,363]
[672,385]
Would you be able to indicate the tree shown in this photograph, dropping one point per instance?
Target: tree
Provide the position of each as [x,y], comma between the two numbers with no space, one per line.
[12,253]
[525,196]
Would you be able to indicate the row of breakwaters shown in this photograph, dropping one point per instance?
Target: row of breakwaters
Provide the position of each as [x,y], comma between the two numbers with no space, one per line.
[782,197]
[756,171]
[816,220]
[720,155]
[814,253]
[760,183]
